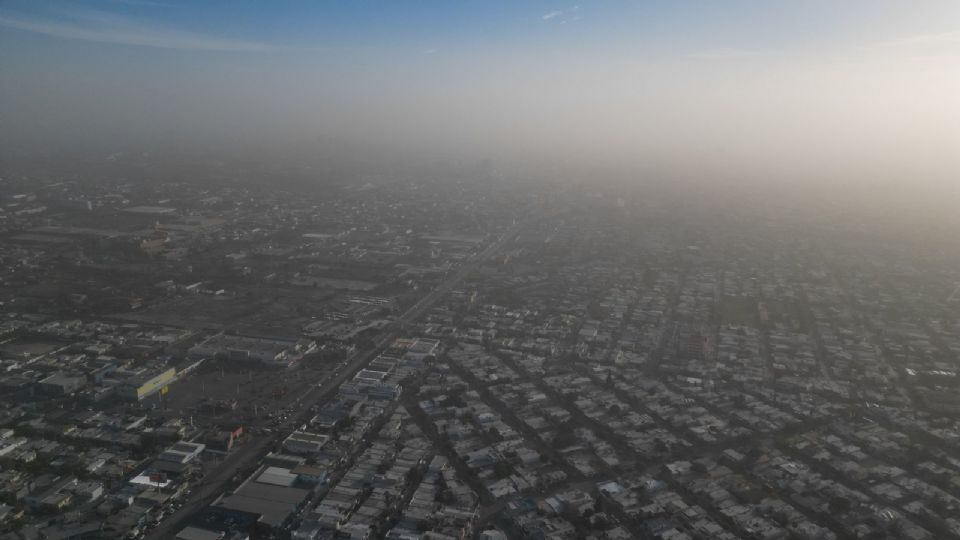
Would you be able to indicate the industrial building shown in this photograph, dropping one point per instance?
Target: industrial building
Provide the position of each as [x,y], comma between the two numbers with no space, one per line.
[304,442]
[274,353]
[61,384]
[267,495]
[139,384]
[182,452]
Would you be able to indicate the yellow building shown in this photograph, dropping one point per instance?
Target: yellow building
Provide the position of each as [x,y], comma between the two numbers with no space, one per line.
[144,385]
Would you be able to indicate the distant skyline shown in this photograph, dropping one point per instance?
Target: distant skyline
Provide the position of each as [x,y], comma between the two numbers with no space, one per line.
[736,89]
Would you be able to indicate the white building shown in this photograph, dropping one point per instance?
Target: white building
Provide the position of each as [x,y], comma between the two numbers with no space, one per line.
[182,452]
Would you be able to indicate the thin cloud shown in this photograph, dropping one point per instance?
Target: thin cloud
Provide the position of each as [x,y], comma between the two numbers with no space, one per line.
[101,27]
[942,38]
[724,53]
[564,15]
[933,44]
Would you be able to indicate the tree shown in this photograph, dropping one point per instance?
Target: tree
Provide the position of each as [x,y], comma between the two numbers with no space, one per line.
[502,470]
[840,505]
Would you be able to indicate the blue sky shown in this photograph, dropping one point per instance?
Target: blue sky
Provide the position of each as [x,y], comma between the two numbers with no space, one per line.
[364,43]
[312,27]
[608,78]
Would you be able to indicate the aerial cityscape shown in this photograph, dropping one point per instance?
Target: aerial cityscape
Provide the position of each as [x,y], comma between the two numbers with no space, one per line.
[348,334]
[395,359]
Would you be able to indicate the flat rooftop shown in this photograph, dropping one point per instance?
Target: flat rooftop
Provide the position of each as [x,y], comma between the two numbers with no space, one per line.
[150,210]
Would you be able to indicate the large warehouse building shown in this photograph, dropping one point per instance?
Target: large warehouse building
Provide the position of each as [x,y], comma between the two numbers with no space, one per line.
[144,383]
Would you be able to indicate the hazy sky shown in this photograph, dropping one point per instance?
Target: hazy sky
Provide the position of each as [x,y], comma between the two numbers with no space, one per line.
[865,90]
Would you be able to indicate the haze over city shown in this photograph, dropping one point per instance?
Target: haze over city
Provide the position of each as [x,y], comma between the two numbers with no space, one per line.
[385,270]
[815,92]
